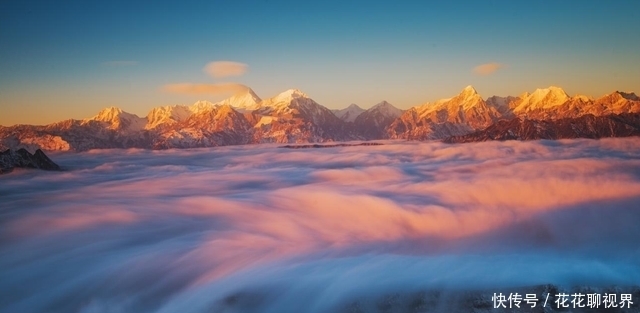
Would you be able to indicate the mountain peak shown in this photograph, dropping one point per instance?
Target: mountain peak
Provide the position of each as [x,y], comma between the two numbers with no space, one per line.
[292,93]
[468,94]
[386,109]
[119,119]
[247,93]
[169,114]
[384,103]
[582,98]
[349,113]
[288,102]
[245,99]
[110,110]
[469,90]
[201,105]
[108,114]
[628,96]
[542,98]
[551,89]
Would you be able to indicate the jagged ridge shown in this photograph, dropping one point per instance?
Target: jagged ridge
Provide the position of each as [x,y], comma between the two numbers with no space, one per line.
[293,117]
[21,158]
[586,126]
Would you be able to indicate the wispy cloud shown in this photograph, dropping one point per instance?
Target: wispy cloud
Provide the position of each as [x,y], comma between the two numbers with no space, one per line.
[120,63]
[219,69]
[487,68]
[202,89]
[216,69]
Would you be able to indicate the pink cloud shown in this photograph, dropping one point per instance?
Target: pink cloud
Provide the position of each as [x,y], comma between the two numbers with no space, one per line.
[183,221]
[487,68]
[220,69]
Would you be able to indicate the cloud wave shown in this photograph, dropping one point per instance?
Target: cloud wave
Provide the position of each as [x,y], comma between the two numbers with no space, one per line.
[260,229]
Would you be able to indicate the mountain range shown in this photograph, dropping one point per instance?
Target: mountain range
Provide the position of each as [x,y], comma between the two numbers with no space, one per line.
[293,117]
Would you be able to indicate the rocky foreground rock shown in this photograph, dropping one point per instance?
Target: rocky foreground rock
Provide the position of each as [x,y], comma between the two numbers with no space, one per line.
[21,158]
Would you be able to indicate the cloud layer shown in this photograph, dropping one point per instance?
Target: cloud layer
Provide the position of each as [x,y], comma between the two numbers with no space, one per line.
[261,229]
[220,69]
[487,68]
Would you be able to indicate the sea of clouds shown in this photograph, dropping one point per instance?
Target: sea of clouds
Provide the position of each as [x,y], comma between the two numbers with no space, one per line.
[259,228]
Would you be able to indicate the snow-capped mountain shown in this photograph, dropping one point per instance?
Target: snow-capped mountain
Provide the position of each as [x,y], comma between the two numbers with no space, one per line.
[617,102]
[466,108]
[540,99]
[217,119]
[288,117]
[551,114]
[167,116]
[117,119]
[293,117]
[291,102]
[447,117]
[554,103]
[218,125]
[467,112]
[246,100]
[200,106]
[371,123]
[349,113]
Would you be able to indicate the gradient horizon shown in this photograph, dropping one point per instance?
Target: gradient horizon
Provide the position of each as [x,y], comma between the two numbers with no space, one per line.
[70,60]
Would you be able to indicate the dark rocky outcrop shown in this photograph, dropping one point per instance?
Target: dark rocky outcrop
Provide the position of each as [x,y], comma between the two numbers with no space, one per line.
[10,159]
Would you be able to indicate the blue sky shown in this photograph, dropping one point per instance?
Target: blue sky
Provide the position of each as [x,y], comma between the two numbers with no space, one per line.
[68,60]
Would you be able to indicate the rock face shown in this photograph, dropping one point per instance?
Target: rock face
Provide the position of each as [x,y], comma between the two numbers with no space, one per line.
[548,108]
[448,117]
[554,103]
[290,117]
[208,127]
[586,126]
[501,105]
[10,159]
[371,123]
[349,113]
[293,117]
